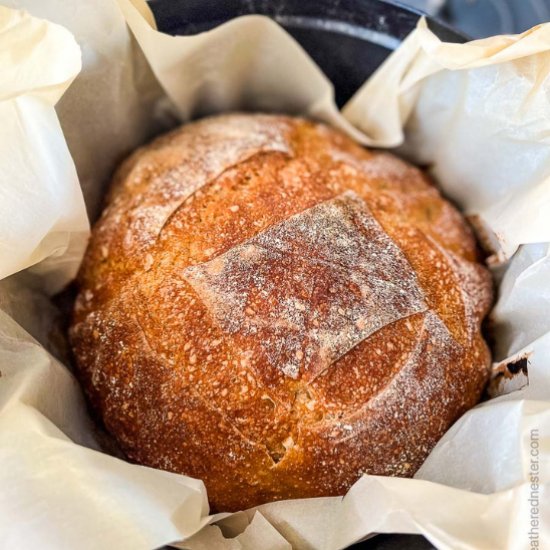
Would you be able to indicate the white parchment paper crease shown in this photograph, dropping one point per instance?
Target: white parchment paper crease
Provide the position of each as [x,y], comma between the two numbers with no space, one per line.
[72,105]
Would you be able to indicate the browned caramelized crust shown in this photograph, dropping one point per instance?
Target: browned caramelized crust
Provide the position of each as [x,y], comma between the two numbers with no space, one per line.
[271,308]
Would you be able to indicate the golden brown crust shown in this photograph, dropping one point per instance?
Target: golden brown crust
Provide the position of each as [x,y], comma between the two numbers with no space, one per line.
[271,308]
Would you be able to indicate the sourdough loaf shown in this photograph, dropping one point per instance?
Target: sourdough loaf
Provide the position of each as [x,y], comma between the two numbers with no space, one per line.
[269,307]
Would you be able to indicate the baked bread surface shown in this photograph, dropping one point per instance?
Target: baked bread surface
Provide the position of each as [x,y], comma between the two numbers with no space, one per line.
[271,308]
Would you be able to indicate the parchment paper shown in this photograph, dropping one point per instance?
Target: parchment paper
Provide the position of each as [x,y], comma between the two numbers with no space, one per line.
[478,114]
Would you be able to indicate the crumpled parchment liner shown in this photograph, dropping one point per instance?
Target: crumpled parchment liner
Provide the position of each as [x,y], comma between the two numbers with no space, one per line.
[39,222]
[477,114]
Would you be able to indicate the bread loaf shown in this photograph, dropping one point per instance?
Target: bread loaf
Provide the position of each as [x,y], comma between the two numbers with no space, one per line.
[269,307]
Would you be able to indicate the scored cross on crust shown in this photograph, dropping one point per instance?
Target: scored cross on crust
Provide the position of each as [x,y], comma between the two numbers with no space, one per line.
[311,287]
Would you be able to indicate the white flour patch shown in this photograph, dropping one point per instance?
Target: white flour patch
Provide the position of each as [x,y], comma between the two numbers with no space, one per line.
[311,287]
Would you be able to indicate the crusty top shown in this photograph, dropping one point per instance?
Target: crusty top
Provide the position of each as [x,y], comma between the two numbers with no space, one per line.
[271,308]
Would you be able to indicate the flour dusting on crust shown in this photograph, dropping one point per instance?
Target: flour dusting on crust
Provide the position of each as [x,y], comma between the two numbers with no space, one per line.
[195,157]
[311,287]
